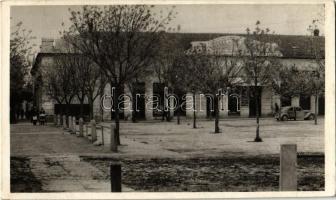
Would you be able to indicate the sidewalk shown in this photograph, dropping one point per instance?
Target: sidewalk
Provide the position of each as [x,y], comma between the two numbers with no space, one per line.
[55,159]
[67,173]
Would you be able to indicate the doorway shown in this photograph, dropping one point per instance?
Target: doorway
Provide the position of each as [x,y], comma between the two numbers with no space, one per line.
[138,99]
[305,102]
[321,107]
[253,95]
[234,104]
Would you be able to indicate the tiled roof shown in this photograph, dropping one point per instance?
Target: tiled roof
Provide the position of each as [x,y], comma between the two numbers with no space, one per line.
[291,46]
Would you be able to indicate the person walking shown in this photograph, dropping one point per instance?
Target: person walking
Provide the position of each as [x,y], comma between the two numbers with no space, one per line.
[34,116]
[276,108]
[42,117]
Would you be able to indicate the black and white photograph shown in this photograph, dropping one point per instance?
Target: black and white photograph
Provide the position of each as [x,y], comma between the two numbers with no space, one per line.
[183,98]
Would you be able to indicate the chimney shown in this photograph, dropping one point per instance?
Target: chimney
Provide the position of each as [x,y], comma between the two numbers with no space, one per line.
[316,32]
[47,45]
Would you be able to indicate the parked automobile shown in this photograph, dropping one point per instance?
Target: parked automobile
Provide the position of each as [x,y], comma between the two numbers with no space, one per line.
[294,112]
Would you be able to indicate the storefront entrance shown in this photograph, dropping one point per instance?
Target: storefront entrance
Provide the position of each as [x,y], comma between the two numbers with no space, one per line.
[234,104]
[321,105]
[305,102]
[139,99]
[252,101]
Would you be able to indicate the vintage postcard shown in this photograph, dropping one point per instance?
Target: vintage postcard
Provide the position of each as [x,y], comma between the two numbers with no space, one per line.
[167,100]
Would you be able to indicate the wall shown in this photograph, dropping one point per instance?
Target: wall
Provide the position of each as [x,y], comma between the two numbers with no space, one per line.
[295,101]
[268,98]
[266,101]
[312,105]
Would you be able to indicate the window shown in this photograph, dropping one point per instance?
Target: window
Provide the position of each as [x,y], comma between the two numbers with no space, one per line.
[298,109]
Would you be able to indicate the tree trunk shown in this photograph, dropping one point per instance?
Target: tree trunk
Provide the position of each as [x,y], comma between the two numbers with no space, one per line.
[194,109]
[256,92]
[280,106]
[67,111]
[178,114]
[168,115]
[91,108]
[100,96]
[134,115]
[116,113]
[216,114]
[316,108]
[81,108]
[163,111]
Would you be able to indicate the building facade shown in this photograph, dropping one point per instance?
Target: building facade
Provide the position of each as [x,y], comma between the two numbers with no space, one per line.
[291,50]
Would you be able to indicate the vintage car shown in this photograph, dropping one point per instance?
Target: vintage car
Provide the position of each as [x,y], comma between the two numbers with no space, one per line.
[297,113]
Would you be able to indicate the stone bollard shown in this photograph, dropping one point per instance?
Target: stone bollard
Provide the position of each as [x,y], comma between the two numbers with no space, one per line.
[55,120]
[288,171]
[69,123]
[80,127]
[59,120]
[115,172]
[74,124]
[93,130]
[87,130]
[64,122]
[113,141]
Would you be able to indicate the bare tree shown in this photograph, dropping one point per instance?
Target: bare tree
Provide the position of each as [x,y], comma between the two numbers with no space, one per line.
[169,57]
[60,80]
[219,73]
[88,80]
[20,48]
[120,39]
[257,64]
[282,78]
[316,77]
[187,69]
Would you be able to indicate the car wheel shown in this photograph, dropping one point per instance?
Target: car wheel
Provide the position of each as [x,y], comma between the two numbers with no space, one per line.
[284,118]
[311,117]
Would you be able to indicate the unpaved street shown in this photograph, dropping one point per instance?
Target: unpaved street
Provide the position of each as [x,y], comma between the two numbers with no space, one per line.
[163,156]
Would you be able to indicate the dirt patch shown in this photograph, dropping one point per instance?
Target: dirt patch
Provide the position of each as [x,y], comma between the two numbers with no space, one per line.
[21,177]
[259,173]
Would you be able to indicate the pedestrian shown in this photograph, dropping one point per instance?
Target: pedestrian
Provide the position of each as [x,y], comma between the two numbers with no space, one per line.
[34,116]
[276,108]
[42,117]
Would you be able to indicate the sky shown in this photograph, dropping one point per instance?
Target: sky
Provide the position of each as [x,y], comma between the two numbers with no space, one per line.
[45,21]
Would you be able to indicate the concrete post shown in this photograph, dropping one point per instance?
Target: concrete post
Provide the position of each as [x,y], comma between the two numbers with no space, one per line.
[87,130]
[74,124]
[64,122]
[70,123]
[115,172]
[80,127]
[59,120]
[55,120]
[93,130]
[288,171]
[113,141]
